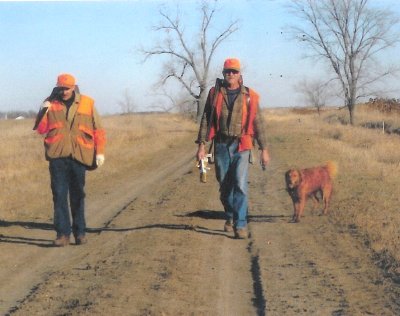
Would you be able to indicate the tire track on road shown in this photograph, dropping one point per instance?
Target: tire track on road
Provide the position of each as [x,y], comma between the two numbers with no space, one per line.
[260,302]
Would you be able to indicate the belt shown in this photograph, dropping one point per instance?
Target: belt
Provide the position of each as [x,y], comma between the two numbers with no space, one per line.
[221,138]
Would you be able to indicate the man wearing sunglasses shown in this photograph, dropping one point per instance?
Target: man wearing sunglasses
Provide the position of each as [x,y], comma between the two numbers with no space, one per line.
[74,141]
[233,121]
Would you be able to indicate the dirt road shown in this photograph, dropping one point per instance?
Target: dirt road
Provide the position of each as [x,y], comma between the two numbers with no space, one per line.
[157,247]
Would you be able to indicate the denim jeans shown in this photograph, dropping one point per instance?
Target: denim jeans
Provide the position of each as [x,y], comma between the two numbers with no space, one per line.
[68,178]
[232,174]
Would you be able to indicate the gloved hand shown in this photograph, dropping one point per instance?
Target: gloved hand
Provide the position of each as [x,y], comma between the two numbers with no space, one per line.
[100,160]
[42,112]
[56,94]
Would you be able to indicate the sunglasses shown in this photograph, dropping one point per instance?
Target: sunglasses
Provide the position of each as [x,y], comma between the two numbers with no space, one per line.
[64,88]
[233,71]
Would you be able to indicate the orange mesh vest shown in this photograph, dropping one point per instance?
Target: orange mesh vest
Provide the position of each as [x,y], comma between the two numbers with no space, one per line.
[249,111]
[76,138]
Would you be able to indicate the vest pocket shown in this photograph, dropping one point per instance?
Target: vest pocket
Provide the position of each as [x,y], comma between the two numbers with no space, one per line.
[53,139]
[86,137]
[85,142]
[56,125]
[246,142]
[87,131]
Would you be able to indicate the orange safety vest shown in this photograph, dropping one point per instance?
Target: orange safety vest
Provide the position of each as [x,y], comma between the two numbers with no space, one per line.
[79,138]
[249,111]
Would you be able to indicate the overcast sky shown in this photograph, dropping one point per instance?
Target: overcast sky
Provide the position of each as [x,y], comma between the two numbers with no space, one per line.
[97,42]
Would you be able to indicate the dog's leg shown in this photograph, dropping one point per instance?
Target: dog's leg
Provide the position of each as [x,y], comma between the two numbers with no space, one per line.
[294,211]
[326,196]
[315,200]
[298,206]
[301,206]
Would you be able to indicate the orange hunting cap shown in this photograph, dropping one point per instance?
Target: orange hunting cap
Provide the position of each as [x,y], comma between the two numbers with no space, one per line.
[65,80]
[232,63]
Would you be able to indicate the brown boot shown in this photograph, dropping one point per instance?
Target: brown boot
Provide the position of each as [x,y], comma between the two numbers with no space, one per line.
[80,240]
[241,233]
[61,241]
[228,227]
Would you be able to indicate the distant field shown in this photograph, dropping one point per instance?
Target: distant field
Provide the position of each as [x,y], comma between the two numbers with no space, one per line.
[366,194]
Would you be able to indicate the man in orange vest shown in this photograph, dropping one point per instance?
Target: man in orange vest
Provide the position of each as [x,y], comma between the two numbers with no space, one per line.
[74,142]
[232,120]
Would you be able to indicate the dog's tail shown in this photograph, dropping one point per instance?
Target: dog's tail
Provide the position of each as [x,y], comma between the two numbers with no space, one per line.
[332,168]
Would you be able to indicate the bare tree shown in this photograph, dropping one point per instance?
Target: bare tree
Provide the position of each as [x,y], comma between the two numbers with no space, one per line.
[182,103]
[190,54]
[348,34]
[127,104]
[314,93]
[172,103]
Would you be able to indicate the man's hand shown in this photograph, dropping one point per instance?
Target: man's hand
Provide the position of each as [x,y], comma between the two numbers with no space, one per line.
[201,152]
[264,158]
[99,160]
[44,108]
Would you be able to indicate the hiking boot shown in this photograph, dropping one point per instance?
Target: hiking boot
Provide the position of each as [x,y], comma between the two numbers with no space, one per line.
[80,240]
[241,233]
[61,241]
[228,227]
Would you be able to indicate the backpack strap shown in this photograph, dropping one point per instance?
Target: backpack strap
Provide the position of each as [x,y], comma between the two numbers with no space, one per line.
[248,108]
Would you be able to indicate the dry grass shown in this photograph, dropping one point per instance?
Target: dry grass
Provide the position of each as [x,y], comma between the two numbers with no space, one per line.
[367,187]
[25,191]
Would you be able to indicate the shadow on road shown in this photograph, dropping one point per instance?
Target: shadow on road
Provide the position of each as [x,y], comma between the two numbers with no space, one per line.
[268,218]
[26,240]
[28,225]
[44,243]
[195,228]
[205,214]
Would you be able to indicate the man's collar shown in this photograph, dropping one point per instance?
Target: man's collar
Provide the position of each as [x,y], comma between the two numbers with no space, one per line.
[77,97]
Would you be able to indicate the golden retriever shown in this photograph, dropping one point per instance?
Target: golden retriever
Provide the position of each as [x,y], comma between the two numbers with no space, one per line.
[304,183]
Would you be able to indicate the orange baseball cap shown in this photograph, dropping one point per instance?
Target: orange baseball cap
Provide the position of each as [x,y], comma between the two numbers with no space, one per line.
[232,63]
[65,80]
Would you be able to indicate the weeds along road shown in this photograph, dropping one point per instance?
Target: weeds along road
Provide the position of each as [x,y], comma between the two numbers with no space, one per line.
[157,247]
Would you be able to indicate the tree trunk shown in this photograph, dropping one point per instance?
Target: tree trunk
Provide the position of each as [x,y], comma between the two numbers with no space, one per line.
[200,109]
[201,102]
[350,106]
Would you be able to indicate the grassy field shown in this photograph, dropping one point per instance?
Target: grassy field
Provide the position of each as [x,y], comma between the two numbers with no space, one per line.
[365,200]
[366,192]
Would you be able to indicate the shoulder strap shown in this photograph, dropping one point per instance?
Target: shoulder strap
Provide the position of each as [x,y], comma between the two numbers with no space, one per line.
[214,91]
[248,108]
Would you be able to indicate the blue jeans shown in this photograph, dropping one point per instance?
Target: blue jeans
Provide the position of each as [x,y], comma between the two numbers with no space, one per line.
[68,178]
[232,174]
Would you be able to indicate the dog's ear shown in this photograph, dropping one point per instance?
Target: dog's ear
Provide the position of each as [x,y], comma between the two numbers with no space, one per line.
[287,177]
